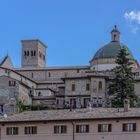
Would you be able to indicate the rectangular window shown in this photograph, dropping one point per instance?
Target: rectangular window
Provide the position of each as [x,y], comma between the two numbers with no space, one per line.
[32,75]
[60,129]
[30,130]
[104,127]
[87,87]
[12,83]
[12,130]
[82,128]
[129,127]
[73,87]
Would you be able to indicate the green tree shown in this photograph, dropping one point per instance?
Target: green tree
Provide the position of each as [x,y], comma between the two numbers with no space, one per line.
[122,83]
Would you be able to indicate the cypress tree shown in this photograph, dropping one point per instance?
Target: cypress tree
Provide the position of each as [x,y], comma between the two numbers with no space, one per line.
[122,83]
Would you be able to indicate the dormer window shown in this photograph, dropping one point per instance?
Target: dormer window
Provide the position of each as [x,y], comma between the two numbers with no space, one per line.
[12,83]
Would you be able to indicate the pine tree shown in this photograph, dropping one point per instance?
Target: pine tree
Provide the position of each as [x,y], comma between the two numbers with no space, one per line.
[122,84]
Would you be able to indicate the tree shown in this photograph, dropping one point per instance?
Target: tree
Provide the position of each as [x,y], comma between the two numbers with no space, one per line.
[122,84]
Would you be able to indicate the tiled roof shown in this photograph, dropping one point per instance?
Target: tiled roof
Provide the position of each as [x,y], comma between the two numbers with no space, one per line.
[111,50]
[53,68]
[79,114]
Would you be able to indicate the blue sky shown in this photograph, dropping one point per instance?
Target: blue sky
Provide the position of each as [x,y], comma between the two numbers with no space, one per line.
[72,29]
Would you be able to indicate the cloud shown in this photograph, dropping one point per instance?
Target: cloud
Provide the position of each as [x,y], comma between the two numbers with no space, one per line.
[135,29]
[133,16]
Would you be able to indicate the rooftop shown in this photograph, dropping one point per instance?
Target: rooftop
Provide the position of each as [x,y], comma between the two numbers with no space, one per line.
[67,115]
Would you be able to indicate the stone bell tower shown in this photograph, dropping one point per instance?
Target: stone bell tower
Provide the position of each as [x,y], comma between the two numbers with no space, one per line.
[33,53]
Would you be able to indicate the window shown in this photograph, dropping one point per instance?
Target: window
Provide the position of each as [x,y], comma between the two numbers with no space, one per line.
[49,74]
[27,53]
[60,129]
[57,101]
[39,93]
[95,86]
[100,102]
[87,87]
[100,85]
[6,71]
[104,127]
[82,128]
[1,109]
[24,53]
[32,53]
[129,127]
[44,57]
[30,130]
[12,130]
[73,87]
[12,83]
[32,75]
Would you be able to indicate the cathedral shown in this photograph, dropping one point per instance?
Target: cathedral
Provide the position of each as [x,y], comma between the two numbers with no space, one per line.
[60,87]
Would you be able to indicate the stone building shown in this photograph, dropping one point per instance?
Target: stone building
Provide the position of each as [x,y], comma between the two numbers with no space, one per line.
[78,124]
[61,87]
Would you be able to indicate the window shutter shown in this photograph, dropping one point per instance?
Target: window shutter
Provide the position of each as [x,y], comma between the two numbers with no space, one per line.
[55,129]
[77,128]
[109,128]
[7,131]
[123,127]
[134,127]
[34,130]
[99,127]
[87,128]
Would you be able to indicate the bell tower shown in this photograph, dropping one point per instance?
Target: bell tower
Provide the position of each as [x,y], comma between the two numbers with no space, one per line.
[33,53]
[115,34]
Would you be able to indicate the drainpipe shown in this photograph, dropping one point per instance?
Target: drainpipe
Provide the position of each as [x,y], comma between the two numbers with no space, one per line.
[73,132]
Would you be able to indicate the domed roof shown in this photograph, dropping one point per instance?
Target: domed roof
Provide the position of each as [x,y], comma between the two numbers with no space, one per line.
[110,50]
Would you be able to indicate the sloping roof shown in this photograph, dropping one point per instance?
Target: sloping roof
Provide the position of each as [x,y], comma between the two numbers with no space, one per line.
[67,115]
[2,60]
[6,62]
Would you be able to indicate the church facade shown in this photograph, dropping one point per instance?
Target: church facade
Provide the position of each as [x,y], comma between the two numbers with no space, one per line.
[60,87]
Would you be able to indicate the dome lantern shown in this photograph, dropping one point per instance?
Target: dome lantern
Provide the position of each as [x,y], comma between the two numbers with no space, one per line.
[115,34]
[105,57]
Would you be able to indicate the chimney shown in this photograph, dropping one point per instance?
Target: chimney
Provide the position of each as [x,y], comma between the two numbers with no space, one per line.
[126,105]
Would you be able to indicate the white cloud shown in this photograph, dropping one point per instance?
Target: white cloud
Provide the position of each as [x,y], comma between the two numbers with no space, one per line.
[135,30]
[133,16]
[133,20]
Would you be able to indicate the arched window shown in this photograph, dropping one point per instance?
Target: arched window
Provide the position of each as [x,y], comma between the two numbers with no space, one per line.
[100,85]
[32,53]
[27,53]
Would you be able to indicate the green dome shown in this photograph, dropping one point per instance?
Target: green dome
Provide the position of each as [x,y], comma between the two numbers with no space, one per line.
[110,50]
